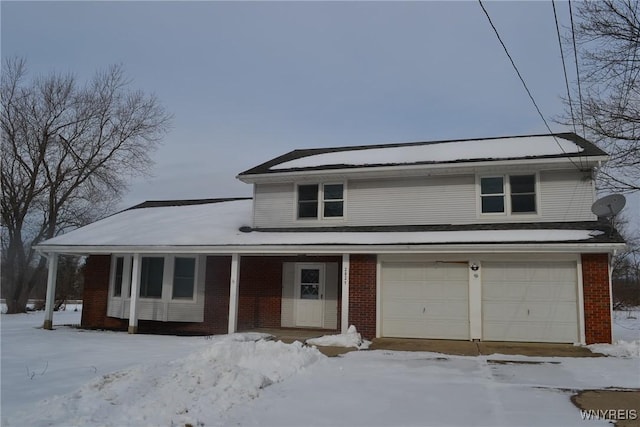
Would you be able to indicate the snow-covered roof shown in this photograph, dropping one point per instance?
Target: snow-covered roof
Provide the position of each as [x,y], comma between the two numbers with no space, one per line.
[212,226]
[434,152]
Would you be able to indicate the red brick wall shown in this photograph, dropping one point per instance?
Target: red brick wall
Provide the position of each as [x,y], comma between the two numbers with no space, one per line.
[362,294]
[597,300]
[96,294]
[260,292]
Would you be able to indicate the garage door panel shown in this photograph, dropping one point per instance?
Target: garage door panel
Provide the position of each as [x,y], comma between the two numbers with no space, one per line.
[516,312]
[425,300]
[529,301]
[535,331]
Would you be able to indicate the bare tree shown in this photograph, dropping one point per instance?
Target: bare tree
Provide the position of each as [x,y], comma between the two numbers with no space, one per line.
[67,153]
[605,103]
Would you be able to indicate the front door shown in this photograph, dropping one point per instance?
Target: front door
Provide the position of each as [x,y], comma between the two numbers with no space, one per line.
[309,295]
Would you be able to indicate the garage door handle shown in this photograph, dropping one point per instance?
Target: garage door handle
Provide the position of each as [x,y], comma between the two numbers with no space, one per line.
[424,309]
[527,312]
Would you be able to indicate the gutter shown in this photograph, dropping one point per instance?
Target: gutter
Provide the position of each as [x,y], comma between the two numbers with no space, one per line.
[337,249]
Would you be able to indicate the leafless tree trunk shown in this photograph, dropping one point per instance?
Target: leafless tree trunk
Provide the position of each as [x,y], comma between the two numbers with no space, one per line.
[607,109]
[67,153]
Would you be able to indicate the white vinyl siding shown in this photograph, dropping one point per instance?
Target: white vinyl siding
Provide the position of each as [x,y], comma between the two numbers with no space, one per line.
[566,196]
[563,196]
[165,308]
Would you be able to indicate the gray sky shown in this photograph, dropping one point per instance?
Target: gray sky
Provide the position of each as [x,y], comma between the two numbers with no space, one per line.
[247,81]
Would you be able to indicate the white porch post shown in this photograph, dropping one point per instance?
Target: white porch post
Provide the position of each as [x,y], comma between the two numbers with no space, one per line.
[135,294]
[51,290]
[233,293]
[344,318]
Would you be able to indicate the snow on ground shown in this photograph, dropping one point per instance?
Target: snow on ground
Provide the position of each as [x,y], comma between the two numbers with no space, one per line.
[92,378]
[626,333]
[351,339]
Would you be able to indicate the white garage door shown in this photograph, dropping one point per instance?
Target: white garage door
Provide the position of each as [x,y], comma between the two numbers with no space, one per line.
[529,301]
[425,300]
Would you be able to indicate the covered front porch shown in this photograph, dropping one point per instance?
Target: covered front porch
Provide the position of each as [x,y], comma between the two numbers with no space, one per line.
[226,292]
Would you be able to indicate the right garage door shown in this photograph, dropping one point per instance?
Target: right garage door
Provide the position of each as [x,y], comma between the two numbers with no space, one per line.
[529,301]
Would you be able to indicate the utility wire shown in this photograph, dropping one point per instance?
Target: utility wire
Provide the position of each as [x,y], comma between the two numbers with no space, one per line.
[575,58]
[566,78]
[526,88]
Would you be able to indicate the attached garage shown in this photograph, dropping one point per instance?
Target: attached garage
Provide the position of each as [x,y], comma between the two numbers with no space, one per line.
[530,301]
[425,300]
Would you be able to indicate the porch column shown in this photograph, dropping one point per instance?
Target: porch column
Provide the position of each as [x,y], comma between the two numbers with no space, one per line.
[51,290]
[344,319]
[233,293]
[135,294]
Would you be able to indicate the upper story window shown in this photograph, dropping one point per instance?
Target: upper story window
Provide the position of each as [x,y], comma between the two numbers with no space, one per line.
[512,194]
[318,201]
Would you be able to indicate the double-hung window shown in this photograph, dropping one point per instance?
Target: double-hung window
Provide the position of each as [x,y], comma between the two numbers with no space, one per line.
[492,194]
[320,201]
[511,194]
[523,193]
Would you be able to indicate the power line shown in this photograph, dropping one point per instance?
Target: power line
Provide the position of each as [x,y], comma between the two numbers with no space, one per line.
[564,69]
[526,88]
[575,58]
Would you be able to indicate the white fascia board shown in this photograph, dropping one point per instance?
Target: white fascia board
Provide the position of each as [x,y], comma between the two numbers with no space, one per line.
[435,168]
[338,249]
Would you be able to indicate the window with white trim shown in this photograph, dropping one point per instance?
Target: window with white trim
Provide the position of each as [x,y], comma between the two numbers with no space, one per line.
[184,277]
[153,269]
[151,277]
[320,201]
[118,275]
[508,194]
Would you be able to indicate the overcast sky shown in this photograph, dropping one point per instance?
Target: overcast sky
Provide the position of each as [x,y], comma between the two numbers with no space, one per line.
[247,81]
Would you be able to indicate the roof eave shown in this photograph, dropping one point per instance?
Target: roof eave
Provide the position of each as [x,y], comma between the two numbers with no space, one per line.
[539,247]
[364,171]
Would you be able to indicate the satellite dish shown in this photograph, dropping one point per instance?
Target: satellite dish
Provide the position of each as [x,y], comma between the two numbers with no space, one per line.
[608,206]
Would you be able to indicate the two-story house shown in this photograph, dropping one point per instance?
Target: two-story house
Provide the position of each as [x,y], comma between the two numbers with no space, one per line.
[484,239]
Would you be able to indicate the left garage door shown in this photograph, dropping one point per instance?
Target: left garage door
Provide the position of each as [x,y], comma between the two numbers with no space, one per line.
[425,300]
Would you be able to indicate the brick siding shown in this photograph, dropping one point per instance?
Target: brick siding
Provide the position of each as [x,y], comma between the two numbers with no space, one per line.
[362,294]
[597,299]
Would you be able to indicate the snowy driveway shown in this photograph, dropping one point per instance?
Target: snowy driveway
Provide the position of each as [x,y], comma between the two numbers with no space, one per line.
[177,380]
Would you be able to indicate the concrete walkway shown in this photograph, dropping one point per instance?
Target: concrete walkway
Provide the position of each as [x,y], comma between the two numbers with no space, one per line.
[461,348]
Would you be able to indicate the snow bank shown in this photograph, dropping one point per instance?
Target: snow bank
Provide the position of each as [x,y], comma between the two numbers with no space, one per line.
[192,390]
[619,349]
[351,339]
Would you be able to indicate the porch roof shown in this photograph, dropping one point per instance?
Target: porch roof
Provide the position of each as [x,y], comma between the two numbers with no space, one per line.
[223,226]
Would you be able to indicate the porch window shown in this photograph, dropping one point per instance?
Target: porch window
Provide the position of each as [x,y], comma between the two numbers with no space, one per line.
[151,277]
[184,274]
[118,275]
